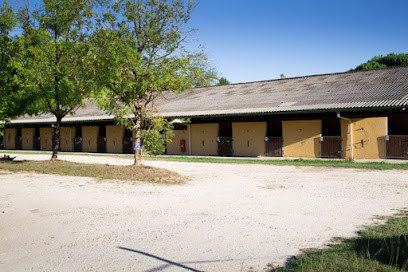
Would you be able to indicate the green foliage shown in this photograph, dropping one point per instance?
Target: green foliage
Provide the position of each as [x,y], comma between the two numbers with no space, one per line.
[384,61]
[379,248]
[49,59]
[156,134]
[296,162]
[223,81]
[142,54]
[53,55]
[282,76]
[7,24]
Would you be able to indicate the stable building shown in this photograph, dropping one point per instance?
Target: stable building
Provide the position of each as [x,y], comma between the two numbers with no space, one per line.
[352,115]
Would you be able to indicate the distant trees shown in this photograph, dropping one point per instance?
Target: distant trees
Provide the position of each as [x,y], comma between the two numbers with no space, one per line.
[282,76]
[223,81]
[381,61]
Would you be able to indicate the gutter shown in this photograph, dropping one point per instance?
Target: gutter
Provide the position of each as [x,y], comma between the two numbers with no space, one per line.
[351,133]
[287,112]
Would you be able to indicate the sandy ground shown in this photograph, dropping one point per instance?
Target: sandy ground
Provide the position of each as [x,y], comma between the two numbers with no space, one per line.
[229,218]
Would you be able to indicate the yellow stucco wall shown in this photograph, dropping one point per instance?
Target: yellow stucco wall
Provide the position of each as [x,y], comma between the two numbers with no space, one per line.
[248,138]
[204,139]
[174,147]
[114,137]
[67,138]
[10,138]
[368,138]
[301,138]
[89,136]
[28,135]
[46,135]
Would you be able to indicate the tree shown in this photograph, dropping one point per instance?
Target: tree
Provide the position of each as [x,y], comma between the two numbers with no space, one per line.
[52,58]
[12,99]
[223,81]
[282,76]
[7,23]
[142,54]
[381,61]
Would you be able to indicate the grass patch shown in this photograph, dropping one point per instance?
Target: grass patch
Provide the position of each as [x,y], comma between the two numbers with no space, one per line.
[378,248]
[295,162]
[65,168]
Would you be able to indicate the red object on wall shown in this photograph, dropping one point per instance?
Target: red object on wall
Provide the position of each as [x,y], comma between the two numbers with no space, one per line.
[183,146]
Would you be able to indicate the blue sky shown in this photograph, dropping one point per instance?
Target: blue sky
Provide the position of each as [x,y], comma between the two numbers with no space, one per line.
[260,39]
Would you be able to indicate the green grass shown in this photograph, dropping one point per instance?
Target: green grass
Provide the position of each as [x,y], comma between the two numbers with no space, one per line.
[294,162]
[378,248]
[127,173]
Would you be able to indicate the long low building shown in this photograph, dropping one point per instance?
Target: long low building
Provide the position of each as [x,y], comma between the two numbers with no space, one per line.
[359,115]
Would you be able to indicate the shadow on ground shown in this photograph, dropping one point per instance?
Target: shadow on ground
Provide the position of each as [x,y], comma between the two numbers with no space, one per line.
[169,263]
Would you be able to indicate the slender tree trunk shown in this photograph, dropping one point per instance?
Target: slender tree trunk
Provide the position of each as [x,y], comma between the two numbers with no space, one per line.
[56,139]
[137,148]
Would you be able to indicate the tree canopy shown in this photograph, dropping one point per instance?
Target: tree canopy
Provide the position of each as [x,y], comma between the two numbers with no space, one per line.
[49,60]
[381,61]
[124,53]
[142,46]
[223,81]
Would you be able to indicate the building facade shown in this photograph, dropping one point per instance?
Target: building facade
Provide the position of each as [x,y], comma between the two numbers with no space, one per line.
[353,115]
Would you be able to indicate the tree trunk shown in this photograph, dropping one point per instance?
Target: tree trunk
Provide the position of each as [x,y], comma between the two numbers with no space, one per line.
[137,148]
[56,139]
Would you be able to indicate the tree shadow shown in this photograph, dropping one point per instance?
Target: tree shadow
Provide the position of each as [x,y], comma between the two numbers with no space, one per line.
[160,259]
[391,251]
[170,263]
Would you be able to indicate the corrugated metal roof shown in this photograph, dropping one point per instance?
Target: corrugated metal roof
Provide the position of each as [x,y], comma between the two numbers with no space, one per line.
[350,90]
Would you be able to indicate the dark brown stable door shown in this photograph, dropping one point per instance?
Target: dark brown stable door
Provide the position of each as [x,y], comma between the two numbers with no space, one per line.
[127,147]
[224,146]
[101,141]
[273,139]
[331,146]
[78,139]
[19,139]
[330,143]
[397,141]
[273,146]
[37,139]
[225,139]
[397,146]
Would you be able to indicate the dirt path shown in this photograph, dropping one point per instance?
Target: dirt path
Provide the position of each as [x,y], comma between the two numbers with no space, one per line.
[229,218]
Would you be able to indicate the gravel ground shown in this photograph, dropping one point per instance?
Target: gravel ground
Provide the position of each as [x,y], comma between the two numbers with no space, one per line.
[229,218]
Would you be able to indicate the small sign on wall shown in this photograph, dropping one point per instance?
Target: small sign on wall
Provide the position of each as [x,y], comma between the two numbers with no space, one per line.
[137,146]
